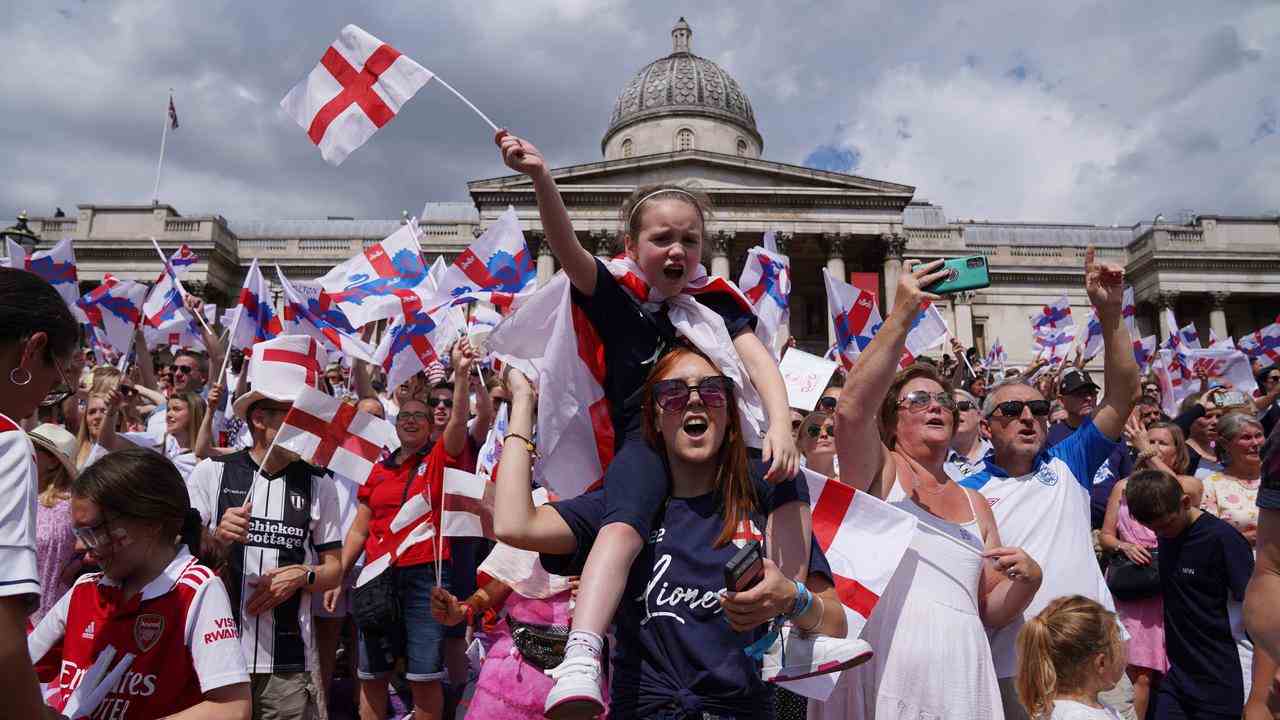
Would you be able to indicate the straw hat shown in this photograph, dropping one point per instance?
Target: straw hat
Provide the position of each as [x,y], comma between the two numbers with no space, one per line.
[278,370]
[58,442]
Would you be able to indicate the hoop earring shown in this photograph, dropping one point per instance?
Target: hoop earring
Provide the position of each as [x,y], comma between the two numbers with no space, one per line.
[13,376]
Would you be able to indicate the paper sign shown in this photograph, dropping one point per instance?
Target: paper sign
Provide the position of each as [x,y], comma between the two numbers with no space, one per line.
[805,376]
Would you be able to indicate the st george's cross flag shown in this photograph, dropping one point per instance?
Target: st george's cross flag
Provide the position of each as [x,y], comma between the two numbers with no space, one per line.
[167,320]
[855,316]
[1053,316]
[864,540]
[114,308]
[182,260]
[766,281]
[464,511]
[928,330]
[414,342]
[1144,352]
[253,319]
[358,87]
[372,285]
[57,266]
[1262,344]
[329,433]
[303,316]
[497,268]
[1052,344]
[1092,343]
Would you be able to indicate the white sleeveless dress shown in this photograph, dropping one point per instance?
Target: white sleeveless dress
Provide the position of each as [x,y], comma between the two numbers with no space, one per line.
[932,657]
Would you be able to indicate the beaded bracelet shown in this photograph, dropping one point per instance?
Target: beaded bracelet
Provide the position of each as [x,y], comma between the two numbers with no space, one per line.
[528,444]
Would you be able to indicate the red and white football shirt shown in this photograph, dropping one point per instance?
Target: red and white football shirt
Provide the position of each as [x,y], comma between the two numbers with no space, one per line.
[18,574]
[179,628]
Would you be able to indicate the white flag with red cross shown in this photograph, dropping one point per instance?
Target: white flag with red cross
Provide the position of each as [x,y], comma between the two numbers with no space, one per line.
[465,510]
[864,540]
[358,87]
[329,433]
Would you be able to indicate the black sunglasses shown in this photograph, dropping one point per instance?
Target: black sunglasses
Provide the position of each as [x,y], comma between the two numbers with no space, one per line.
[447,402]
[918,400]
[816,430]
[1013,408]
[182,370]
[964,405]
[827,403]
[673,395]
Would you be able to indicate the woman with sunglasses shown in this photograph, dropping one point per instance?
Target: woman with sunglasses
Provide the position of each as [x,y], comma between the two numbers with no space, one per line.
[37,337]
[680,636]
[417,467]
[156,600]
[929,629]
[817,442]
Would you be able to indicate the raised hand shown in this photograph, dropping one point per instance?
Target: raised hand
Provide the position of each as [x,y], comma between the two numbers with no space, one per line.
[520,155]
[1103,282]
[915,276]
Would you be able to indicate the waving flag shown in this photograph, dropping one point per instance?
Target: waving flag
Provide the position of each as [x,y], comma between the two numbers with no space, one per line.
[372,285]
[495,269]
[1263,344]
[253,320]
[864,540]
[1174,341]
[358,87]
[57,266]
[1053,316]
[114,308]
[855,316]
[1053,344]
[1144,351]
[1092,335]
[766,281]
[465,512]
[928,330]
[302,316]
[491,450]
[996,356]
[435,273]
[1188,336]
[328,433]
[413,343]
[165,313]
[1129,311]
[182,260]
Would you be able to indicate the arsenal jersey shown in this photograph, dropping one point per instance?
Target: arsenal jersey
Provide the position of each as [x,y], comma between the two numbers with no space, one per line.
[179,629]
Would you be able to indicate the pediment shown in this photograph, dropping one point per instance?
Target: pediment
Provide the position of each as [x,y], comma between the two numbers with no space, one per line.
[712,172]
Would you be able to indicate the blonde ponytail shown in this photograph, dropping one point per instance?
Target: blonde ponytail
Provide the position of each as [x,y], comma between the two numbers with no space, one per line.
[1056,650]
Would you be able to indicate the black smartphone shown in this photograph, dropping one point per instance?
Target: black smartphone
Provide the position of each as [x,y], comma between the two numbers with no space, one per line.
[963,273]
[745,568]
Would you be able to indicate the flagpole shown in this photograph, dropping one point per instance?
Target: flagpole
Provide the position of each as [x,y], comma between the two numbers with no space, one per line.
[463,98]
[164,134]
[164,261]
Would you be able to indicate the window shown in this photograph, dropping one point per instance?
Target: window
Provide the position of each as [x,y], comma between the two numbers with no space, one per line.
[742,147]
[626,148]
[684,139]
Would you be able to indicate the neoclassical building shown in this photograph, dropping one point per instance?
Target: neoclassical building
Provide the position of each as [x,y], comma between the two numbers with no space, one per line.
[684,118]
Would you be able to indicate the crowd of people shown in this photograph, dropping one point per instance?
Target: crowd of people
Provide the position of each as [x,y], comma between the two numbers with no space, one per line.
[1075,554]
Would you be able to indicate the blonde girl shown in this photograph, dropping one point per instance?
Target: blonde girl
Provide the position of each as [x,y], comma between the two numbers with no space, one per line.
[1068,654]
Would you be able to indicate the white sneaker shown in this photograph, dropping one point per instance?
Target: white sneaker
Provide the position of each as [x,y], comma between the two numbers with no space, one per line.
[795,656]
[576,693]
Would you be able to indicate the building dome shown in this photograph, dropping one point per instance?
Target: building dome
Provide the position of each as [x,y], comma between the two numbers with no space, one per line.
[682,86]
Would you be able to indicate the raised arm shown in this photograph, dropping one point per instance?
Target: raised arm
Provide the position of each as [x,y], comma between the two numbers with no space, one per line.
[578,264]
[861,453]
[516,521]
[455,431]
[484,410]
[142,360]
[780,445]
[1105,285]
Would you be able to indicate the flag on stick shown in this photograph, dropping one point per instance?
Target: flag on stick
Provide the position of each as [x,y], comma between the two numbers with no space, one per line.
[855,316]
[374,284]
[329,433]
[766,281]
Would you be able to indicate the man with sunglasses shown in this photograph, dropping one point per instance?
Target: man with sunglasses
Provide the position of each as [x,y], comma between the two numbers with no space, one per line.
[969,447]
[1040,494]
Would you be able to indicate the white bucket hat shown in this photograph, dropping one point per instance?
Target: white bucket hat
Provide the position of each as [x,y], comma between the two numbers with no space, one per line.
[279,368]
[60,443]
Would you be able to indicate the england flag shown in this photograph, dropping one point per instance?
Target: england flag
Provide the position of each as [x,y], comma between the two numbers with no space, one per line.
[253,319]
[1263,344]
[497,268]
[329,433]
[303,316]
[57,266]
[373,285]
[1052,316]
[358,87]
[766,281]
[182,260]
[1092,343]
[855,316]
[414,342]
[928,330]
[114,308]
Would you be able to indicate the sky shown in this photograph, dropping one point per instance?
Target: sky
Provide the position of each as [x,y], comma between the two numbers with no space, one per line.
[1103,112]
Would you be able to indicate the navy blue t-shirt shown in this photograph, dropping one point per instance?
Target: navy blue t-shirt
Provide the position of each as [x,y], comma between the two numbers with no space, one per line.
[675,650]
[1119,465]
[1200,571]
[632,341]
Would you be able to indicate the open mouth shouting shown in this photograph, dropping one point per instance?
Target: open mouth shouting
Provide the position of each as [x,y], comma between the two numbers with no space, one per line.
[695,426]
[674,271]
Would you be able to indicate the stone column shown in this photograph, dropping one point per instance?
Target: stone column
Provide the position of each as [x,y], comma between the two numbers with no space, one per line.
[895,248]
[603,241]
[720,246]
[963,306]
[1218,314]
[835,266]
[546,261]
[1165,300]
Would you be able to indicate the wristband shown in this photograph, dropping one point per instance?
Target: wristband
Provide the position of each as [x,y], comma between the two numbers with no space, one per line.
[528,444]
[804,600]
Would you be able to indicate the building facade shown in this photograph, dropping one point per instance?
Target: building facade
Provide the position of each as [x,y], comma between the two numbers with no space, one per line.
[682,118]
